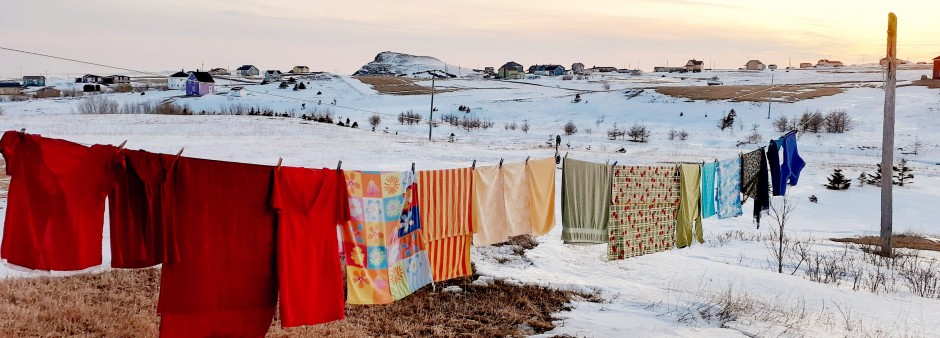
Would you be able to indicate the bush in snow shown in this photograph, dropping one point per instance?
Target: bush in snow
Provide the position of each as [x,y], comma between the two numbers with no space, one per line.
[605,84]
[902,173]
[614,133]
[683,135]
[837,181]
[638,133]
[452,119]
[374,120]
[811,121]
[782,124]
[570,128]
[409,117]
[727,121]
[511,126]
[838,121]
[525,126]
[97,104]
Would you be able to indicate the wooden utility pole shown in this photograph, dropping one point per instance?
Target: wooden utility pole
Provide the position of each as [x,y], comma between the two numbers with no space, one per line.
[770,98]
[431,118]
[887,145]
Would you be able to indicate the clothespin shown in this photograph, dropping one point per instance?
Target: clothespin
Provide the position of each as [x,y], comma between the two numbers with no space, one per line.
[339,165]
[527,159]
[500,163]
[474,165]
[279,161]
[180,152]
[122,144]
[566,154]
[615,164]
[23,131]
[412,167]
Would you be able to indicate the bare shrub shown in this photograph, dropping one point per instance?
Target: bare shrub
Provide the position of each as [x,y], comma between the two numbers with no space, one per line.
[570,128]
[487,124]
[781,210]
[838,121]
[123,88]
[72,93]
[97,104]
[683,135]
[567,77]
[781,124]
[614,132]
[753,138]
[639,133]
[169,108]
[374,120]
[811,121]
[1,111]
[234,109]
[470,122]
[525,126]
[600,119]
[672,134]
[409,117]
[511,126]
[605,84]
[452,119]
[588,131]
[147,107]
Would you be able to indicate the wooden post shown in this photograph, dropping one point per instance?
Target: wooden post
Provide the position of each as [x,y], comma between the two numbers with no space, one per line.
[431,118]
[887,145]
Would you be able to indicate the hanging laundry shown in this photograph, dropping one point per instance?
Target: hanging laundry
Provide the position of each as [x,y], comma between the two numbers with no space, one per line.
[309,204]
[642,211]
[385,253]
[55,211]
[773,159]
[135,208]
[756,181]
[729,188]
[542,195]
[489,206]
[585,201]
[222,229]
[708,189]
[792,162]
[689,217]
[516,198]
[444,203]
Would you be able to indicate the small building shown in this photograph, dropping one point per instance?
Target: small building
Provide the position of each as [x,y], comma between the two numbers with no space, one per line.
[219,71]
[34,81]
[177,80]
[694,66]
[577,68]
[829,63]
[936,68]
[772,66]
[10,88]
[248,70]
[237,92]
[754,65]
[806,65]
[90,78]
[47,92]
[300,70]
[549,70]
[489,71]
[115,79]
[597,69]
[511,70]
[199,83]
[273,75]
[91,88]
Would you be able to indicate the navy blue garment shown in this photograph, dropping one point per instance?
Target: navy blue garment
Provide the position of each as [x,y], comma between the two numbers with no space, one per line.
[773,159]
[792,162]
[762,200]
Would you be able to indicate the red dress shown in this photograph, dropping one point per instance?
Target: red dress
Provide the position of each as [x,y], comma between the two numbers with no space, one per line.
[55,210]
[220,225]
[309,203]
[135,209]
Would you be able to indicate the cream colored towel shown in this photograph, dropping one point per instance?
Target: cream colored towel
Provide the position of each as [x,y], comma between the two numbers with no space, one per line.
[516,197]
[541,195]
[489,207]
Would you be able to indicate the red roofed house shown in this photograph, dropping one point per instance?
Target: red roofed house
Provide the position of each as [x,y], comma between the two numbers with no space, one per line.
[936,68]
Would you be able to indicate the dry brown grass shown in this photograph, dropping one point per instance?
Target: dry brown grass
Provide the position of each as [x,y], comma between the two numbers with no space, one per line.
[122,303]
[898,241]
[790,93]
[929,83]
[399,85]
[4,179]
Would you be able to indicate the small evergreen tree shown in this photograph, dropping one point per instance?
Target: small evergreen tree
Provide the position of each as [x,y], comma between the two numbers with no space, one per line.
[727,121]
[874,179]
[902,174]
[837,181]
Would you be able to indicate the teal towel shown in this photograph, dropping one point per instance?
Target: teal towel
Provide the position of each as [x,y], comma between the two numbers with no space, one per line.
[708,189]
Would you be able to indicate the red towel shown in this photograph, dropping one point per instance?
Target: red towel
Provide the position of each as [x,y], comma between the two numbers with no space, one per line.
[220,223]
[309,204]
[55,210]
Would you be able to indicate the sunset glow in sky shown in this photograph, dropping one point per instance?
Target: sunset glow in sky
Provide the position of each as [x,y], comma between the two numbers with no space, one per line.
[342,35]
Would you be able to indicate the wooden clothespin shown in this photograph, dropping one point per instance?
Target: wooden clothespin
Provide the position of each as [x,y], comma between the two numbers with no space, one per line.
[122,144]
[339,165]
[474,165]
[615,164]
[279,161]
[23,131]
[527,159]
[180,152]
[566,154]
[412,167]
[500,163]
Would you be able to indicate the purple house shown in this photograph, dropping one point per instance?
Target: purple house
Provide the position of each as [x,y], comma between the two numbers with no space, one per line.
[199,83]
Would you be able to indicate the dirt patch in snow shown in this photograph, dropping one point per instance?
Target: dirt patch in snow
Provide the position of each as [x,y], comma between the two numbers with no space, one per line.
[122,303]
[929,83]
[786,93]
[399,85]
[898,241]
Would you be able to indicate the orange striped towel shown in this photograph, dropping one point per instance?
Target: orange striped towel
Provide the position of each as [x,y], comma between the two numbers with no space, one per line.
[444,201]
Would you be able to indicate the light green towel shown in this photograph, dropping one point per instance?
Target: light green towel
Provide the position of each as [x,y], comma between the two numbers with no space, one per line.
[690,194]
[585,201]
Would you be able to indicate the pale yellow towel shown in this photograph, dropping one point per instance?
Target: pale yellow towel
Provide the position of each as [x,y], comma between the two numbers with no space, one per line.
[516,195]
[542,195]
[489,207]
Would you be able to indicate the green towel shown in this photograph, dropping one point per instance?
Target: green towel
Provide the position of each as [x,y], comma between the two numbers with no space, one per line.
[585,201]
[690,191]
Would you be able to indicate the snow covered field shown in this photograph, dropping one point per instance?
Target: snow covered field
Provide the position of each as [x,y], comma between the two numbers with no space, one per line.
[675,293]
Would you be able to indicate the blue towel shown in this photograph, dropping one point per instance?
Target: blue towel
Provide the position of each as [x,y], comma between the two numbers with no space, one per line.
[792,162]
[708,189]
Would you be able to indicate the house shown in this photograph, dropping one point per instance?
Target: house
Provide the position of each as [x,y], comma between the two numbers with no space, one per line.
[47,92]
[91,88]
[237,92]
[597,69]
[89,78]
[272,75]
[115,79]
[772,66]
[577,68]
[34,81]
[300,70]
[10,88]
[694,66]
[806,65]
[936,68]
[511,70]
[218,71]
[177,80]
[489,70]
[248,70]
[548,70]
[829,63]
[754,65]
[199,83]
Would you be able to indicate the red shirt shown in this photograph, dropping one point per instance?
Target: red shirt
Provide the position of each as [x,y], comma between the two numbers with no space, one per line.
[55,210]
[135,210]
[220,222]
[309,203]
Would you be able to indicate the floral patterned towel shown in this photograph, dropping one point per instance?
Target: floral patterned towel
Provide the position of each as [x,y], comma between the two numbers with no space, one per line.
[642,211]
[383,244]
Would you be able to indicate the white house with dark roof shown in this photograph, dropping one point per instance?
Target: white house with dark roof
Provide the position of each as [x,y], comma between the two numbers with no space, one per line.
[177,80]
[248,70]
[273,75]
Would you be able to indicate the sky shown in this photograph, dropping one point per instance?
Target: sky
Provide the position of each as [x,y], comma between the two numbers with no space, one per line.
[342,35]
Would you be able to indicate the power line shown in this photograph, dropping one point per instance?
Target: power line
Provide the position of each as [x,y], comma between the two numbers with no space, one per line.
[78,61]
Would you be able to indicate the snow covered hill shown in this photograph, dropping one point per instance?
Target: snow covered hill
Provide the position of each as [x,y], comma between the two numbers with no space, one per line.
[400,64]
